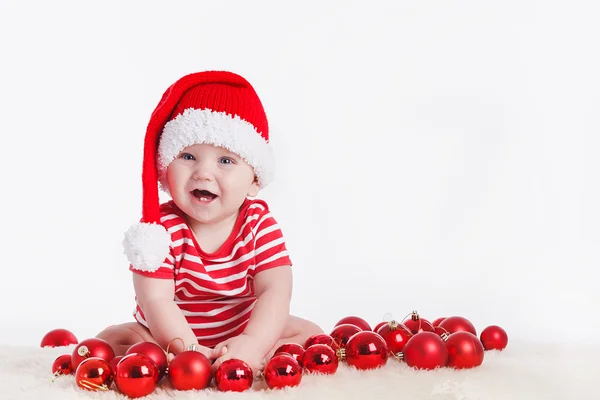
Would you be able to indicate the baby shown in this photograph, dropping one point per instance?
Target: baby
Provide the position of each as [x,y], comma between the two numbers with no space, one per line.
[209,266]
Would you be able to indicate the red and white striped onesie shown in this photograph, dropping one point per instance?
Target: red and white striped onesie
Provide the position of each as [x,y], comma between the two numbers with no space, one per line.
[215,291]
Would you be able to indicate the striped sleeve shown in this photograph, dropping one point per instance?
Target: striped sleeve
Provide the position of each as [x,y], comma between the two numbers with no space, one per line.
[269,248]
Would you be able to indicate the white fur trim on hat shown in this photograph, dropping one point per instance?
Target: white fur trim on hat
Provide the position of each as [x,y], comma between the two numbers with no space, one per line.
[146,246]
[219,129]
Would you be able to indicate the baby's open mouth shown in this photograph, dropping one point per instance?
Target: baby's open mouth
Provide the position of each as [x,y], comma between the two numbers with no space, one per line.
[204,195]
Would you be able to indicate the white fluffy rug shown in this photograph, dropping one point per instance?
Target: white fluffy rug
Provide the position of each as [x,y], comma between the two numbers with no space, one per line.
[522,371]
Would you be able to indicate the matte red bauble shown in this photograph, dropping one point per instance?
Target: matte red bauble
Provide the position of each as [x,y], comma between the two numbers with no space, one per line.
[494,338]
[458,324]
[321,359]
[464,350]
[190,370]
[425,350]
[282,371]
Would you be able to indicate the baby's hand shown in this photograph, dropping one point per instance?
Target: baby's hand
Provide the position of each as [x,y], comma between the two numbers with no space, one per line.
[241,347]
[208,353]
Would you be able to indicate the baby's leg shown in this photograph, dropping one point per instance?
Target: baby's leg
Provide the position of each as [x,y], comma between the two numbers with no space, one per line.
[296,330]
[122,337]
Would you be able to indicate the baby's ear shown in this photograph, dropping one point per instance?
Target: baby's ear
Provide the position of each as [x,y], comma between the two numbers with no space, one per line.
[254,188]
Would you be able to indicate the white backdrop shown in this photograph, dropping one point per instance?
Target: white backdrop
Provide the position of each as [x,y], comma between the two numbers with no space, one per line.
[437,156]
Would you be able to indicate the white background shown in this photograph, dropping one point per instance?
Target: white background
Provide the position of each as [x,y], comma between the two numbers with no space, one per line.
[432,155]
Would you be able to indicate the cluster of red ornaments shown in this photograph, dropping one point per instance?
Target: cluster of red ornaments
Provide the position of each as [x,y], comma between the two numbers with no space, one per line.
[447,342]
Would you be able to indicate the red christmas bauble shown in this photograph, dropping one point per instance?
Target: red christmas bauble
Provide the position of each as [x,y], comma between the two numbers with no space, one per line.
[438,321]
[293,349]
[366,350]
[94,374]
[62,365]
[395,335]
[320,358]
[190,370]
[282,370]
[464,350]
[417,324]
[58,338]
[494,338]
[379,325]
[113,364]
[458,324]
[342,333]
[233,375]
[321,338]
[353,320]
[136,375]
[425,350]
[155,352]
[93,347]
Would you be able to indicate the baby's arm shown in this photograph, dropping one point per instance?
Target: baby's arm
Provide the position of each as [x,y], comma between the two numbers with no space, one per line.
[165,320]
[273,289]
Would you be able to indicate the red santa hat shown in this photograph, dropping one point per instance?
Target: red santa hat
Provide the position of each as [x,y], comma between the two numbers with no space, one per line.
[213,107]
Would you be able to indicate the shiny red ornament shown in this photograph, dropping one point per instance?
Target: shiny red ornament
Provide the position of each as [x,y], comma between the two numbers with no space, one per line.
[321,338]
[438,321]
[458,324]
[494,337]
[293,349]
[417,324]
[233,376]
[395,335]
[379,325]
[113,364]
[320,358]
[464,350]
[366,350]
[155,352]
[342,333]
[62,365]
[281,371]
[190,370]
[425,350]
[136,375]
[58,338]
[94,374]
[93,347]
[353,320]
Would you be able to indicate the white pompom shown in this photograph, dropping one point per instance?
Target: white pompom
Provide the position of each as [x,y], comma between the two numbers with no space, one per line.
[146,246]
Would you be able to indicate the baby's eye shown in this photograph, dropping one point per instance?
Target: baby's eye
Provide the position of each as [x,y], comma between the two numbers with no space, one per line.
[226,160]
[187,156]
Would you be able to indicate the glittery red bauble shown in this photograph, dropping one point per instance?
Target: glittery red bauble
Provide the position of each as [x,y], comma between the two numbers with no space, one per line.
[233,375]
[155,352]
[342,333]
[395,335]
[282,370]
[366,350]
[293,349]
[494,338]
[321,338]
[418,325]
[62,365]
[379,325]
[361,323]
[438,321]
[93,347]
[58,338]
[190,370]
[425,350]
[113,364]
[94,374]
[136,375]
[464,350]
[320,358]
[458,324]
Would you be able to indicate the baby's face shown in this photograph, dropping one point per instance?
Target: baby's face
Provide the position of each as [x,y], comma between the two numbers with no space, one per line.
[210,183]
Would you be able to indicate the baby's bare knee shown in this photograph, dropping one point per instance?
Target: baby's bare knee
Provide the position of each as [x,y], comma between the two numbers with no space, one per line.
[123,336]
